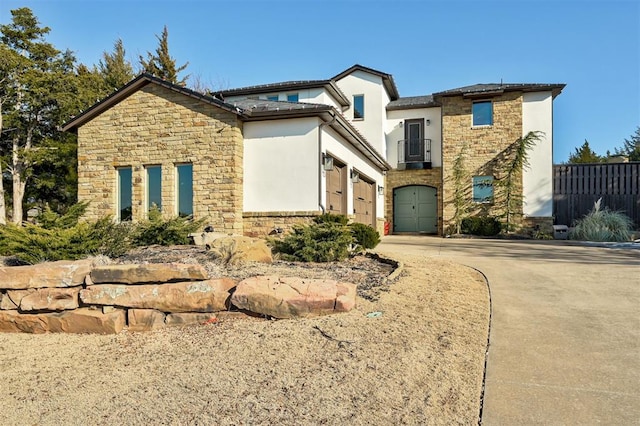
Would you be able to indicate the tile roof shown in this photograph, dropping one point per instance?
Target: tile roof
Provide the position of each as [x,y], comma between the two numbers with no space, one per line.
[330,85]
[495,88]
[412,102]
[387,79]
[261,107]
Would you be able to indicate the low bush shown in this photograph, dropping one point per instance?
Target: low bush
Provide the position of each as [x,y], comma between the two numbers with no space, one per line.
[364,236]
[164,232]
[328,238]
[64,238]
[486,226]
[602,225]
[318,242]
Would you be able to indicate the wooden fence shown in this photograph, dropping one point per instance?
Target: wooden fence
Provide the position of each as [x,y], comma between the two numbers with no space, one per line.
[576,187]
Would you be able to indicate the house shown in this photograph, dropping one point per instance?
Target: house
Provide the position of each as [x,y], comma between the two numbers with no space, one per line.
[257,159]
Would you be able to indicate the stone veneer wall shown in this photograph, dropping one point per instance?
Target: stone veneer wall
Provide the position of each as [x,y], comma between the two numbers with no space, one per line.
[261,224]
[487,145]
[156,126]
[400,178]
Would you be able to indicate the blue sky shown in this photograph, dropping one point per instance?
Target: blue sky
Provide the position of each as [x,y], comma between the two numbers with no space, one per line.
[428,46]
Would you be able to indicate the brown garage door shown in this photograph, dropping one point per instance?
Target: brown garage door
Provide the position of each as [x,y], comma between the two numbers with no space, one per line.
[337,189]
[364,207]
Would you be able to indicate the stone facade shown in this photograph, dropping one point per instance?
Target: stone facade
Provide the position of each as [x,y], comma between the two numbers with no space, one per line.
[156,126]
[261,224]
[488,147]
[400,178]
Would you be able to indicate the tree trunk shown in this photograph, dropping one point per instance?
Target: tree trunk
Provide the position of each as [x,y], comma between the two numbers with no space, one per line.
[18,178]
[3,208]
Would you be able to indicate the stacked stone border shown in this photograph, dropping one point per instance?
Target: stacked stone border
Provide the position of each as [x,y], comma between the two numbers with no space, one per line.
[80,297]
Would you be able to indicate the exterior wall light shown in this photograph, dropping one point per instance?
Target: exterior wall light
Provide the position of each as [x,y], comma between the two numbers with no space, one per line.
[355,176]
[327,162]
[428,122]
[380,190]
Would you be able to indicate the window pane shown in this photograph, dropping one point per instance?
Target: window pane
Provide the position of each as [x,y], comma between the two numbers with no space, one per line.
[293,97]
[154,187]
[124,194]
[358,106]
[482,189]
[482,113]
[185,189]
[272,98]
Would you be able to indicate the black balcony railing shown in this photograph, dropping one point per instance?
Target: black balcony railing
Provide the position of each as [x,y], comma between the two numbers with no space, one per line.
[414,152]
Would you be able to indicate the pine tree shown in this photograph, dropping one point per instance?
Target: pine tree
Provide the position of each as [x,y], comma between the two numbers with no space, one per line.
[114,68]
[36,88]
[584,155]
[631,147]
[161,64]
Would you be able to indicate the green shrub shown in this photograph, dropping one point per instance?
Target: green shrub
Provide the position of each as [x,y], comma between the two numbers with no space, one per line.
[602,225]
[339,219]
[318,242]
[63,238]
[487,226]
[164,232]
[364,235]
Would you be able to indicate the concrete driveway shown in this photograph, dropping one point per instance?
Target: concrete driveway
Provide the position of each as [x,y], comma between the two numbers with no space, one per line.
[565,330]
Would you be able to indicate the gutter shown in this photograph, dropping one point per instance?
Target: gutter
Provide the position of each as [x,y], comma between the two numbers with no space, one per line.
[320,162]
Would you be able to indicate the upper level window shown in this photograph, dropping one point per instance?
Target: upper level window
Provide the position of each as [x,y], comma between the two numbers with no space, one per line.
[272,98]
[154,187]
[358,107]
[482,189]
[293,97]
[482,113]
[185,189]
[125,202]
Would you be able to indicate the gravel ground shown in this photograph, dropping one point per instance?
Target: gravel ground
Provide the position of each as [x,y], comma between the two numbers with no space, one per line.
[411,352]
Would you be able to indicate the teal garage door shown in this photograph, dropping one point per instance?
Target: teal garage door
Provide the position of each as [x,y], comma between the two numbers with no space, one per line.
[415,209]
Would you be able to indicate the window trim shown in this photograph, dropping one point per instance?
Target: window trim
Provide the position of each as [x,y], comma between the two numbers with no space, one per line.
[480,126]
[485,200]
[119,193]
[361,95]
[177,188]
[147,202]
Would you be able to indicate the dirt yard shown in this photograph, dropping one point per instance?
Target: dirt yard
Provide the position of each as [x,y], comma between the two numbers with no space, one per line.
[412,352]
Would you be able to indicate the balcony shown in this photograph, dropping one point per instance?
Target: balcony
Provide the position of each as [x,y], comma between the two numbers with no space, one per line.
[414,154]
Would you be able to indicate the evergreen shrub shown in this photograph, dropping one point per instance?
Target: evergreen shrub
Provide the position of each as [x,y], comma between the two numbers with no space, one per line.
[486,226]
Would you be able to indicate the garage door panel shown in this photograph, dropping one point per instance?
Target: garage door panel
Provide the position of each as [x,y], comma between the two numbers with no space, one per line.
[415,209]
[363,205]
[336,191]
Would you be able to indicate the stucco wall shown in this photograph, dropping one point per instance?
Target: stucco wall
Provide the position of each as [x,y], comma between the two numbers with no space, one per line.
[281,165]
[375,101]
[537,181]
[487,145]
[156,126]
[394,132]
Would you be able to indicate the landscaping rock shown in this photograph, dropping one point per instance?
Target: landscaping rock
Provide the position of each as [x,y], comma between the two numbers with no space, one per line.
[6,303]
[52,274]
[147,273]
[145,319]
[202,296]
[190,318]
[293,297]
[83,320]
[50,299]
[237,248]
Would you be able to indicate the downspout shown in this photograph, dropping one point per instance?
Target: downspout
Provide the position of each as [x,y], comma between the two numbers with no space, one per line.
[320,162]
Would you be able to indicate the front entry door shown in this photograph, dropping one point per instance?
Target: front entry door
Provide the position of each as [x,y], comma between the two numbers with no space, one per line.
[414,141]
[415,209]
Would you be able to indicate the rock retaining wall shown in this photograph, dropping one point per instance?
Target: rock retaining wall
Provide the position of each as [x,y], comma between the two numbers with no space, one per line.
[78,297]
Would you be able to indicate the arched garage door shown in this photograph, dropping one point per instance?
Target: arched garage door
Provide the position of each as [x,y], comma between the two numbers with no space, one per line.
[415,209]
